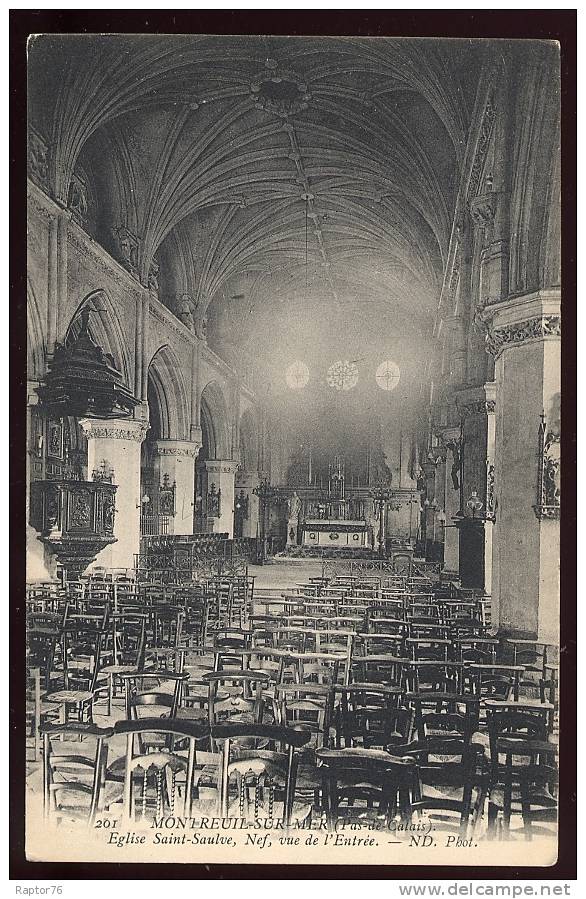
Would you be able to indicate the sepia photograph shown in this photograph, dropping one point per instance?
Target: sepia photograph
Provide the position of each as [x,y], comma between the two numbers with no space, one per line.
[293,468]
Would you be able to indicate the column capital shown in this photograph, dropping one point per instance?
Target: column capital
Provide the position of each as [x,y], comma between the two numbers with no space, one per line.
[520,320]
[221,466]
[477,400]
[171,447]
[114,429]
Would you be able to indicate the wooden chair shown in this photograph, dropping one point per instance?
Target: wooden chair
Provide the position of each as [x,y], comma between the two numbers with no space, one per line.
[381,668]
[244,703]
[160,782]
[41,651]
[307,705]
[439,714]
[259,782]
[523,770]
[371,716]
[365,784]
[73,783]
[164,694]
[129,648]
[453,780]
[434,676]
[81,672]
[492,681]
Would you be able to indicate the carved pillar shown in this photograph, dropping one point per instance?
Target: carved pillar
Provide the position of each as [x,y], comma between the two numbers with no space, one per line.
[246,481]
[524,338]
[429,509]
[175,459]
[220,510]
[117,441]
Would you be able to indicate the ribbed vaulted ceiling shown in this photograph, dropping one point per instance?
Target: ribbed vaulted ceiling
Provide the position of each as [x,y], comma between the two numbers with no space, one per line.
[308,183]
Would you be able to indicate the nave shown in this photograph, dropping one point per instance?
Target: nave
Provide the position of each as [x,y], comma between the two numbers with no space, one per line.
[293,430]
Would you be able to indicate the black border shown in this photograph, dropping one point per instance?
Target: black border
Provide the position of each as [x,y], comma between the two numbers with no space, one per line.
[559,25]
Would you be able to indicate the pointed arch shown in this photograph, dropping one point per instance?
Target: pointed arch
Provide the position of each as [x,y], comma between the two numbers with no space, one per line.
[168,389]
[214,411]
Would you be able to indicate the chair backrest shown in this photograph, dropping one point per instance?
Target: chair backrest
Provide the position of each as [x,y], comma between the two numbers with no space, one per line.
[84,646]
[41,647]
[512,732]
[370,715]
[520,752]
[245,700]
[130,636]
[445,715]
[267,775]
[143,690]
[434,676]
[151,785]
[364,783]
[383,668]
[307,705]
[493,681]
[448,762]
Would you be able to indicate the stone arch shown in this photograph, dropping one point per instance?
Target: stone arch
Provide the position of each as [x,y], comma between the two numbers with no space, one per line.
[166,393]
[249,440]
[214,415]
[105,328]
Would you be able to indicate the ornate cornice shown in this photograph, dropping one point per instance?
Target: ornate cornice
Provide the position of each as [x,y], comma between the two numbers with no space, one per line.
[170,321]
[177,448]
[115,429]
[223,466]
[42,204]
[102,260]
[498,339]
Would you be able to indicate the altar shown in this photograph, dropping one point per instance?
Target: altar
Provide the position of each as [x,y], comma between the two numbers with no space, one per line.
[336,533]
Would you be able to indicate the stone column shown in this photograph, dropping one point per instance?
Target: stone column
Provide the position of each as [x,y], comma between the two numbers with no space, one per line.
[117,441]
[246,481]
[176,459]
[220,476]
[524,338]
[477,409]
[451,498]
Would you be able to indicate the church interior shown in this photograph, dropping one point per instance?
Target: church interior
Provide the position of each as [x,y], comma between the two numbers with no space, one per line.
[293,430]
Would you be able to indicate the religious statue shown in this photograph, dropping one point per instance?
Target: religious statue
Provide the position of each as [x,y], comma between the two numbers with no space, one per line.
[293,510]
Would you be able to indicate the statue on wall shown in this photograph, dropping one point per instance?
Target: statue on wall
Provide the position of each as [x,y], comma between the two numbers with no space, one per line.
[293,510]
[457,464]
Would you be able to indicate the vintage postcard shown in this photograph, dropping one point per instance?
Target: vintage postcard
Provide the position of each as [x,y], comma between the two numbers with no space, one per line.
[293,450]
